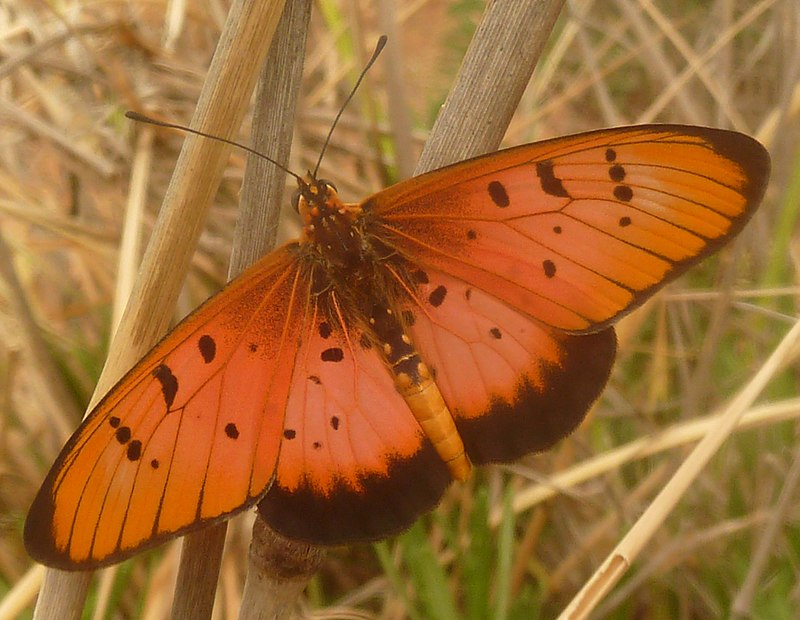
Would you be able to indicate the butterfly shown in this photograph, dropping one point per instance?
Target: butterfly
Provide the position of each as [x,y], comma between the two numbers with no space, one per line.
[342,382]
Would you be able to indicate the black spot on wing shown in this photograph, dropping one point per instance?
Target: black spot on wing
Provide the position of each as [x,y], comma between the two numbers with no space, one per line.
[548,180]
[472,235]
[134,451]
[436,298]
[623,193]
[231,431]
[624,221]
[155,464]
[123,434]
[496,333]
[325,330]
[334,354]
[169,383]
[289,433]
[498,194]
[616,173]
[335,423]
[208,348]
[611,155]
[315,379]
[549,268]
[114,421]
[557,230]
[420,277]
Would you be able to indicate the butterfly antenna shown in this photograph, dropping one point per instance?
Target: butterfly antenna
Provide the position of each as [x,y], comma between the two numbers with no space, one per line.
[136,116]
[378,49]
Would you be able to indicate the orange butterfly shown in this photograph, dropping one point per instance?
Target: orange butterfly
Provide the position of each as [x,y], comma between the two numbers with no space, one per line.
[345,379]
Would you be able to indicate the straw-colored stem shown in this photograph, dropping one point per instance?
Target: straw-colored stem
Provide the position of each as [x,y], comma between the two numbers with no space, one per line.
[268,592]
[628,549]
[494,73]
[220,110]
[201,556]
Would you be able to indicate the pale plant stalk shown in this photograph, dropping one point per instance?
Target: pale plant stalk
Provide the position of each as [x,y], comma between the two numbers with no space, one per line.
[628,549]
[222,106]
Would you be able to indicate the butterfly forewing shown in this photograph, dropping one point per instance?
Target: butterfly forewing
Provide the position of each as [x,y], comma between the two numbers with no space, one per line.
[579,230]
[190,434]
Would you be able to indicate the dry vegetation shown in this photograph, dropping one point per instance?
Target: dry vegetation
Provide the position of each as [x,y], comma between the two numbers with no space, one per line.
[71,211]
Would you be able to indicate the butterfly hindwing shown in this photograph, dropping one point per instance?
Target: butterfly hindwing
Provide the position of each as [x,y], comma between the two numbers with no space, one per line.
[576,231]
[189,435]
[354,464]
[513,384]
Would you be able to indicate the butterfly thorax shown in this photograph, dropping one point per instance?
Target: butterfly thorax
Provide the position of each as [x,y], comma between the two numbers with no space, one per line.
[330,227]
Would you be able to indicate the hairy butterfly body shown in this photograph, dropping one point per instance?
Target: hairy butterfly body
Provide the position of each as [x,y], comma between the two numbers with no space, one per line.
[343,381]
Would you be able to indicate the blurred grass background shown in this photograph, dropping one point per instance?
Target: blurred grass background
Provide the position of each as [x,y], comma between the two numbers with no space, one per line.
[500,546]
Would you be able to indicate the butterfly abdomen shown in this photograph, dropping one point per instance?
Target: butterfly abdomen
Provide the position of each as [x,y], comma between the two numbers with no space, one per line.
[351,269]
[415,383]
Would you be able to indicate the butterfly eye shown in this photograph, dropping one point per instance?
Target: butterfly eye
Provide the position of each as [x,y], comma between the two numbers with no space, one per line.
[327,183]
[296,200]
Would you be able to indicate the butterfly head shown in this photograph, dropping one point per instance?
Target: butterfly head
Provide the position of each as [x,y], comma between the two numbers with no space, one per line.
[311,192]
[328,223]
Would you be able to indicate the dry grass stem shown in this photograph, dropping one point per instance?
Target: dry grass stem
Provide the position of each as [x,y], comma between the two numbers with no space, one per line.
[677,436]
[626,552]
